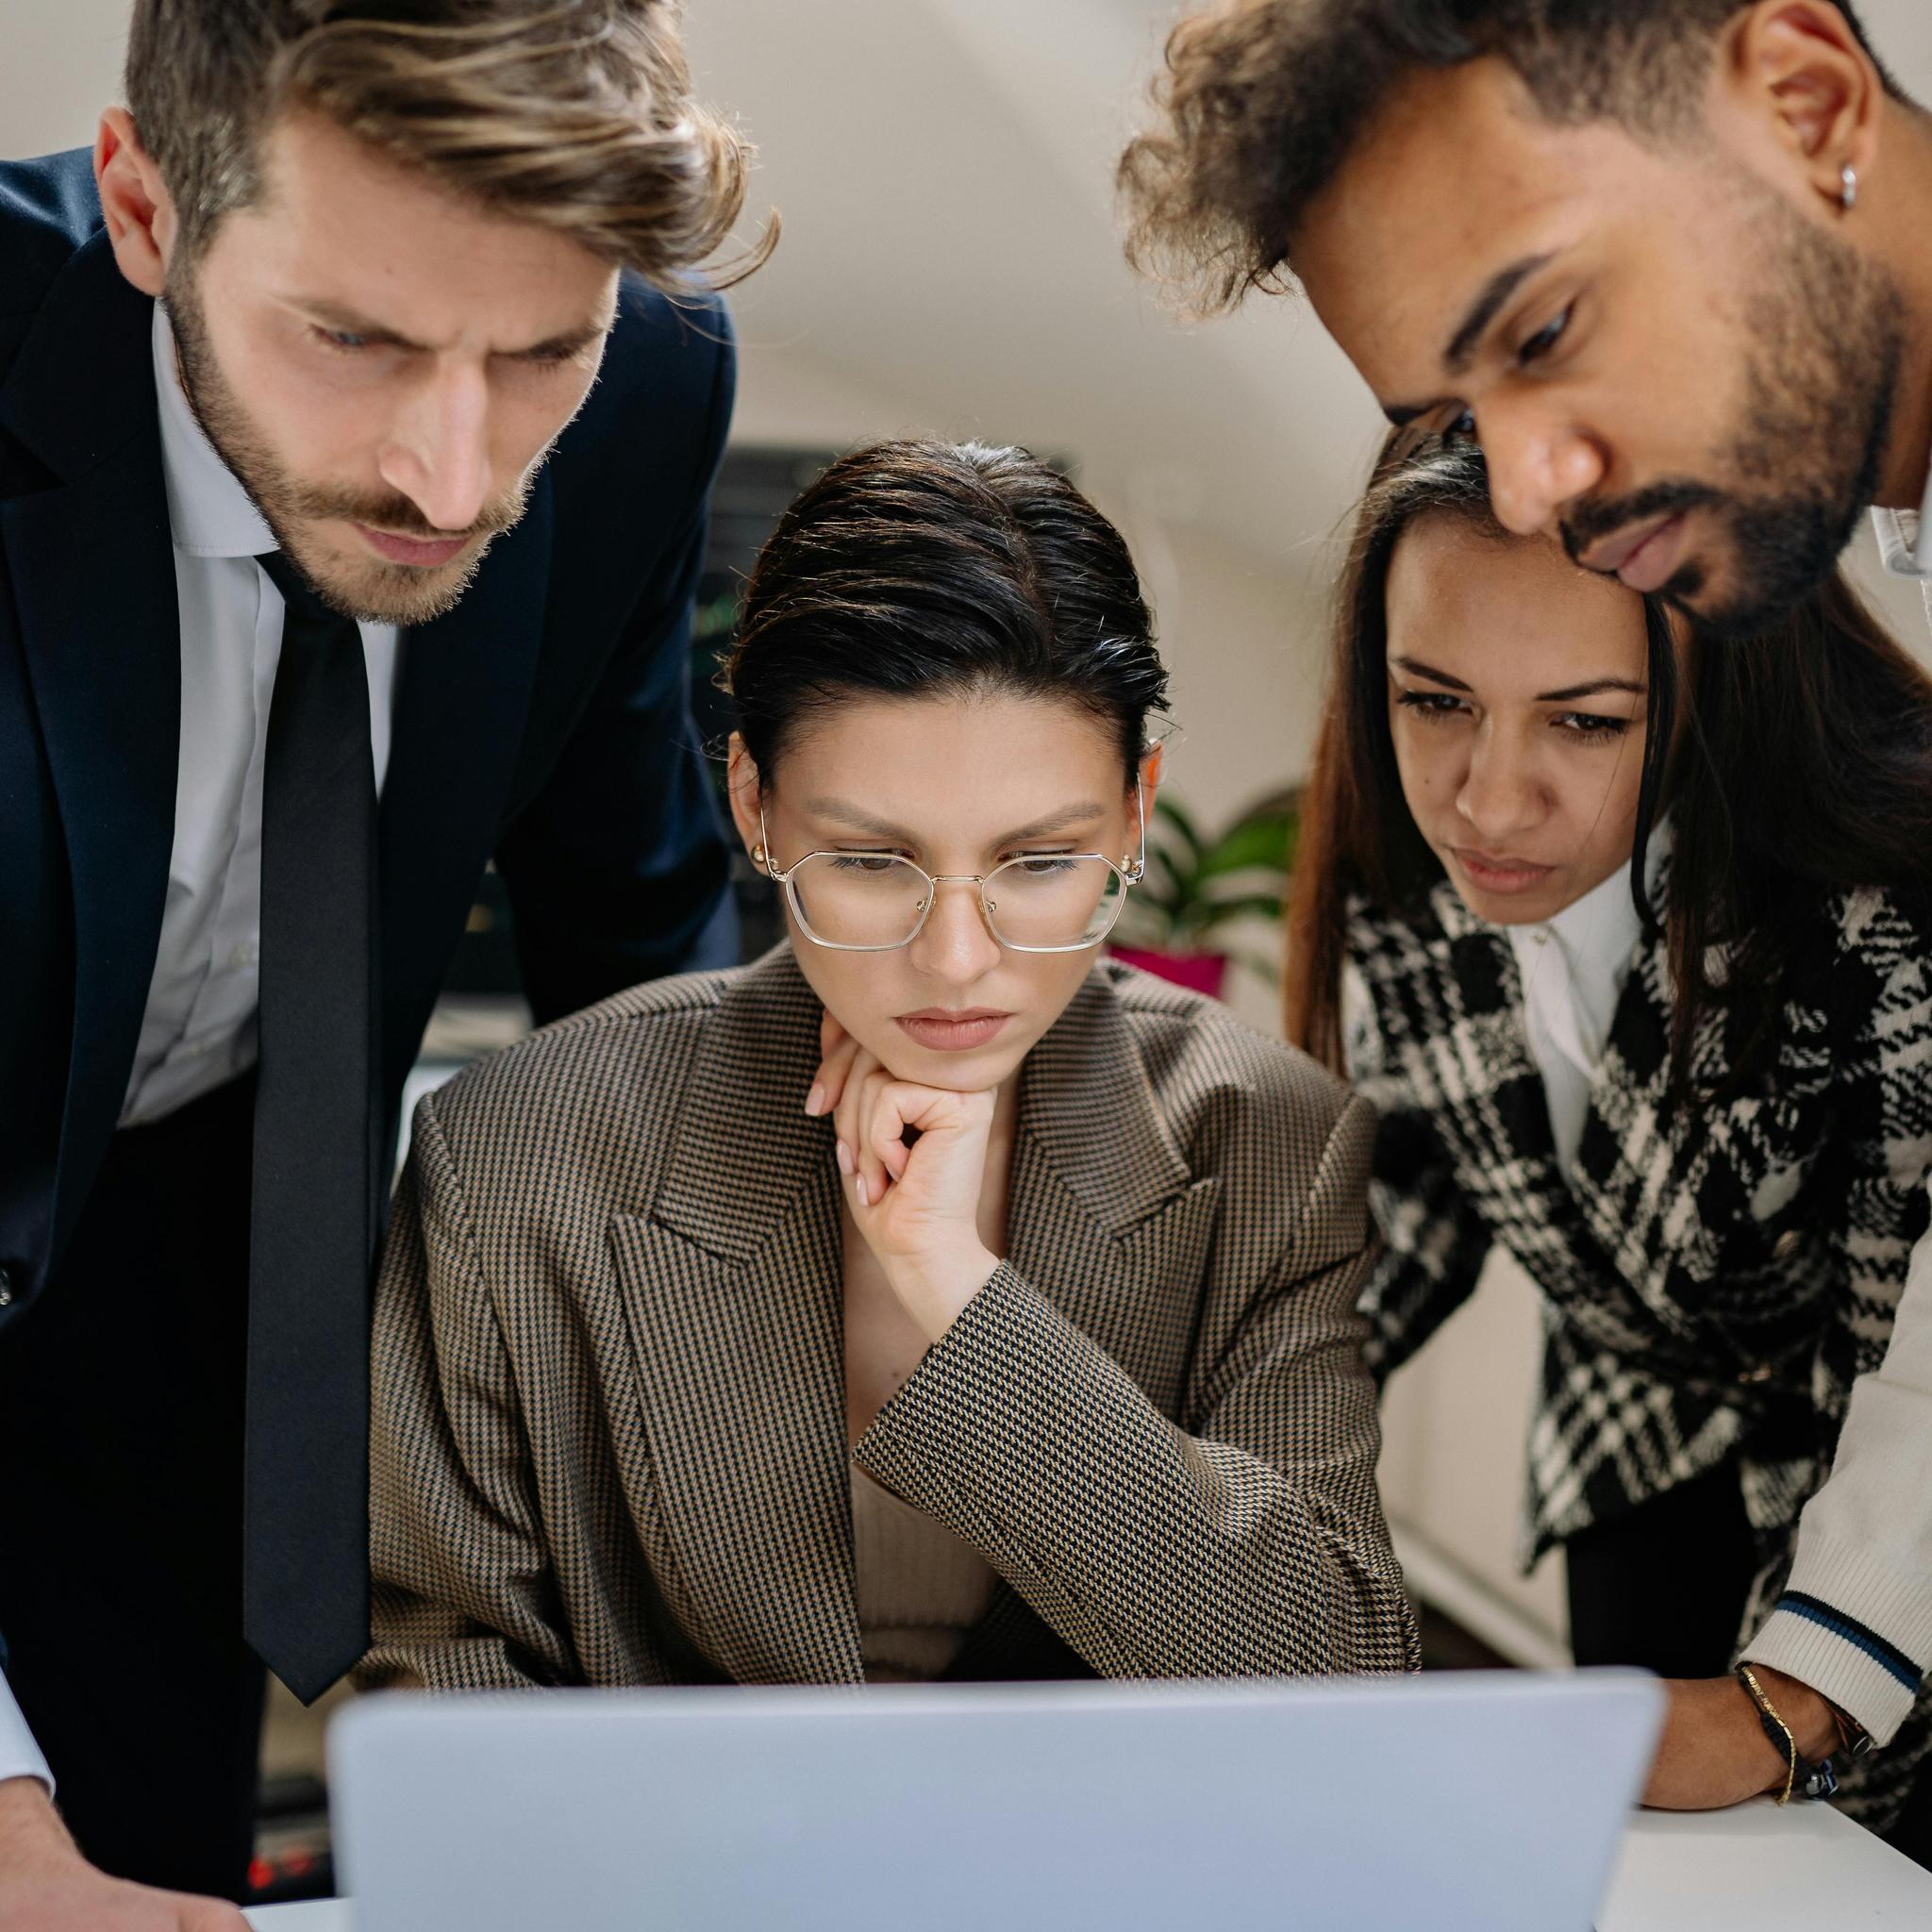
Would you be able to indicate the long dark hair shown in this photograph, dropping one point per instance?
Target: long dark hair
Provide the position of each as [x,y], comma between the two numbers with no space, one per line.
[920,569]
[1802,766]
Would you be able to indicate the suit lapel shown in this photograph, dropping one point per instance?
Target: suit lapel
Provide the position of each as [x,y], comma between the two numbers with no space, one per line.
[735,1312]
[91,566]
[461,698]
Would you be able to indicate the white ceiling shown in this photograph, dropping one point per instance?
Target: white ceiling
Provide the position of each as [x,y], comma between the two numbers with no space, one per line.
[944,168]
[944,172]
[950,253]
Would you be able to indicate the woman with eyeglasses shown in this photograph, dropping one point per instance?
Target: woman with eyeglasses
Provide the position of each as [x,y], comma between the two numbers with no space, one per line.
[933,1298]
[1626,932]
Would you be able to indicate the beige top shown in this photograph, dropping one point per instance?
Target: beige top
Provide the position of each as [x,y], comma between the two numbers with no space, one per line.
[920,1588]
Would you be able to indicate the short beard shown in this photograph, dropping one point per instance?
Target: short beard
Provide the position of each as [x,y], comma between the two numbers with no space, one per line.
[376,591]
[1820,401]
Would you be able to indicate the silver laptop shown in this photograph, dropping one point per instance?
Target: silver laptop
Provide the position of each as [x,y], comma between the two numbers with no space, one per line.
[1492,1802]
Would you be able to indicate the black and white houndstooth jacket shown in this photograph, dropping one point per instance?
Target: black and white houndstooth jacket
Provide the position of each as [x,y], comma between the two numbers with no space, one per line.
[1713,1276]
[611,1433]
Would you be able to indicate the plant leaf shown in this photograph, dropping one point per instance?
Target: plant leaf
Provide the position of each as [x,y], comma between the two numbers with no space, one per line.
[1265,840]
[1177,815]
[1264,969]
[1238,905]
[1172,887]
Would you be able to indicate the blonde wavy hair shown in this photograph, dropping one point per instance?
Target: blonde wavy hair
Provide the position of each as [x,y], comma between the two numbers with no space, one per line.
[574,115]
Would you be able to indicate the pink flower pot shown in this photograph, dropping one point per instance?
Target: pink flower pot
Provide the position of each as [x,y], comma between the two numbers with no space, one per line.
[1198,971]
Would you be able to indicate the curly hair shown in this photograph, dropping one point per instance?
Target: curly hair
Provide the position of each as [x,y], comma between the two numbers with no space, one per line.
[574,115]
[1260,102]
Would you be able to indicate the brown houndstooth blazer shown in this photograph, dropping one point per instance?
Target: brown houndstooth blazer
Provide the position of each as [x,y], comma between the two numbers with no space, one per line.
[609,1443]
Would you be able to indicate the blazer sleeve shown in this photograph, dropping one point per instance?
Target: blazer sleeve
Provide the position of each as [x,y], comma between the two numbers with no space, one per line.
[1855,1619]
[1433,1242]
[461,1586]
[618,871]
[1246,1539]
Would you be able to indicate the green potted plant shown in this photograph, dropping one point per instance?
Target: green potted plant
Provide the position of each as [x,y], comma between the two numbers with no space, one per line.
[1176,919]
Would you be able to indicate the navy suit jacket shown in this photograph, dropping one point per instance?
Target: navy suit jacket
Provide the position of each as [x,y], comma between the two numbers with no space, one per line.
[544,722]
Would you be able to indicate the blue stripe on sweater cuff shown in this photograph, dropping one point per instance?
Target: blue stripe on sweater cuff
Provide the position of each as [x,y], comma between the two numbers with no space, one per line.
[1859,1636]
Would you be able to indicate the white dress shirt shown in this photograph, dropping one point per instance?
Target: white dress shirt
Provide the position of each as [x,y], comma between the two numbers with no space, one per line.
[198,1030]
[1573,970]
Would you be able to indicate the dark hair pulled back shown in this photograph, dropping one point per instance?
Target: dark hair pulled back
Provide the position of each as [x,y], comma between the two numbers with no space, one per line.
[1803,769]
[932,569]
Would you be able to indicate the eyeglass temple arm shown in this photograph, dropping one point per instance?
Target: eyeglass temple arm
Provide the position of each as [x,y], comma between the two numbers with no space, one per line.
[1134,868]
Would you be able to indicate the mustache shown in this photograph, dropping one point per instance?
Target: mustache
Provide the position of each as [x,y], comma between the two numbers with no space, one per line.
[1589,523]
[394,513]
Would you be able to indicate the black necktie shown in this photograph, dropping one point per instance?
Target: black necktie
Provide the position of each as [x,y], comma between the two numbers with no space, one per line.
[306,1588]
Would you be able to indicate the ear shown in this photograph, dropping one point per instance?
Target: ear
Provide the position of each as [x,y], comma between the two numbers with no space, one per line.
[741,785]
[138,209]
[1153,762]
[1798,67]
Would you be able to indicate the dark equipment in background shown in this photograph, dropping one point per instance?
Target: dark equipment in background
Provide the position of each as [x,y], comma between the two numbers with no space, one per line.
[752,487]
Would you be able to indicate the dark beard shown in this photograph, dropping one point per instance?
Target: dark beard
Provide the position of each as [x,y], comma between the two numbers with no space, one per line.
[1821,400]
[382,593]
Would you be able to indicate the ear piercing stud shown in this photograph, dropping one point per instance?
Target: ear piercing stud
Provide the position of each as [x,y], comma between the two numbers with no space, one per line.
[1849,195]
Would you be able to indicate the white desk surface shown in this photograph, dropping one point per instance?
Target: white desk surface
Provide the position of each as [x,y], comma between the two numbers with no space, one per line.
[1683,1872]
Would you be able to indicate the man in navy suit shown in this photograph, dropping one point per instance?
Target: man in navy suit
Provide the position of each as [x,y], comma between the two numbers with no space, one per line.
[359,409]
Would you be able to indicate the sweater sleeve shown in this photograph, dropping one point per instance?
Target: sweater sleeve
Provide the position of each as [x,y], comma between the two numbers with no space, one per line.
[1855,1621]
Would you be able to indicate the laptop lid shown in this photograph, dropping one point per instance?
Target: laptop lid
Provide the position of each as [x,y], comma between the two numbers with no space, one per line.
[1467,1800]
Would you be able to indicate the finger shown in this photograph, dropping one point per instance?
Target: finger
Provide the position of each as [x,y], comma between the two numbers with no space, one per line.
[210,1915]
[882,1151]
[886,1131]
[871,1175]
[837,1053]
[846,1115]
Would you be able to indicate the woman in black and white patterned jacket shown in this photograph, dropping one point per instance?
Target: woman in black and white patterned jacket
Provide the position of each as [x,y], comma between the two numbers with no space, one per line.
[1624,931]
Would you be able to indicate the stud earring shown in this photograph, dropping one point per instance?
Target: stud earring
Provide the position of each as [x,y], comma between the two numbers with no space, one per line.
[1849,195]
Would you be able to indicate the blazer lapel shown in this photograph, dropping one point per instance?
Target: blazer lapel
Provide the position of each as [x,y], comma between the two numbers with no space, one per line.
[1105,1215]
[1479,1052]
[736,1312]
[92,565]
[1580,1257]
[1107,1221]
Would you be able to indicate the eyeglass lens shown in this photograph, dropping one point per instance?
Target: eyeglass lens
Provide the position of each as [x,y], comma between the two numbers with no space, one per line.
[877,899]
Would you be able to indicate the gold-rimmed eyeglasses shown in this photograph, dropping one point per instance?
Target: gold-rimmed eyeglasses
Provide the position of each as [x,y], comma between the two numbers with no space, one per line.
[876,902]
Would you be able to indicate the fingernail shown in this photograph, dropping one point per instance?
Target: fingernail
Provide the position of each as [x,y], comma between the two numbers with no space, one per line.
[858,1189]
[844,1159]
[815,1100]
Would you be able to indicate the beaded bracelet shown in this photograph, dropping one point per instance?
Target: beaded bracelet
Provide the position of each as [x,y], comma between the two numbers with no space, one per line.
[1818,1780]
